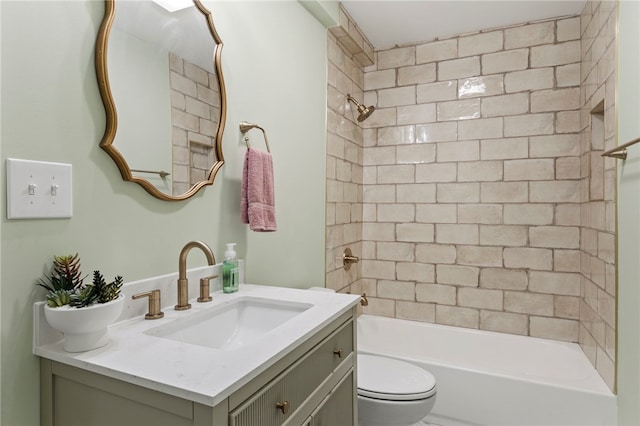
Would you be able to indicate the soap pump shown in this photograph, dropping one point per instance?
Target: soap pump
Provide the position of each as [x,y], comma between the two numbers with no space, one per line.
[230,276]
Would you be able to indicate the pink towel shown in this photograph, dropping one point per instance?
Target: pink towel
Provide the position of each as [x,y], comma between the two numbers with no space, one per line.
[257,201]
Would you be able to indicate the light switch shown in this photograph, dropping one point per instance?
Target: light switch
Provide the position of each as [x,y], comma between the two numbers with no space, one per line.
[38,189]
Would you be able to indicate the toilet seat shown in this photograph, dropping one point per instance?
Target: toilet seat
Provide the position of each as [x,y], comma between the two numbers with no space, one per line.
[393,380]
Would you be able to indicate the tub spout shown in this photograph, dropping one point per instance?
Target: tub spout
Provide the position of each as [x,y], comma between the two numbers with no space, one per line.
[363,300]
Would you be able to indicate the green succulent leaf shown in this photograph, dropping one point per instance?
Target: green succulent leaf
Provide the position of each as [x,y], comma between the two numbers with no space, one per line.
[58,298]
[107,291]
[84,296]
[65,274]
[65,285]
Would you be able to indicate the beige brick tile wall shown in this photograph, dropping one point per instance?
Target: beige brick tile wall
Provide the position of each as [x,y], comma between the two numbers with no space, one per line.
[195,112]
[485,201]
[597,311]
[474,182]
[345,160]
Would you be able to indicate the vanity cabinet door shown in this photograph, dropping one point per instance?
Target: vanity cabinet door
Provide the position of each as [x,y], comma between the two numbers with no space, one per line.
[338,408]
[71,396]
[286,397]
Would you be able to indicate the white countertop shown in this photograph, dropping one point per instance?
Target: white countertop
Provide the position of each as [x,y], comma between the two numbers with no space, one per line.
[196,373]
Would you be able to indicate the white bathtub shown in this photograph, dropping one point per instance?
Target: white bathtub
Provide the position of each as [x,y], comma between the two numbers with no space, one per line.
[487,378]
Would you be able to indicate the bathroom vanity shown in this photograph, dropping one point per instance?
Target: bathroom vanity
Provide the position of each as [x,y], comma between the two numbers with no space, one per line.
[300,372]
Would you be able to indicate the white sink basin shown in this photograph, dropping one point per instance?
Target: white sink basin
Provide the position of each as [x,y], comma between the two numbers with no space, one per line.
[231,325]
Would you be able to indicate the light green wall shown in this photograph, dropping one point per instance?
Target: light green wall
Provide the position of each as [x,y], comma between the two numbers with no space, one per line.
[325,11]
[1,339]
[628,103]
[274,64]
[277,79]
[137,70]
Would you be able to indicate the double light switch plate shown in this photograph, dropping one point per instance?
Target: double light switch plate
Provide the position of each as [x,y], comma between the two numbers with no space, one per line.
[38,189]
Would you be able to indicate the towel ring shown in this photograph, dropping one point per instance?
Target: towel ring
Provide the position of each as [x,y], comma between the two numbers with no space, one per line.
[245,127]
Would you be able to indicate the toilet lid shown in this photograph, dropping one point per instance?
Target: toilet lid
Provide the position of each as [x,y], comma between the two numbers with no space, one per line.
[392,379]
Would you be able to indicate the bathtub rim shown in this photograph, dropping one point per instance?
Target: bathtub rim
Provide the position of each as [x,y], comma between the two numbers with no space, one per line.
[575,348]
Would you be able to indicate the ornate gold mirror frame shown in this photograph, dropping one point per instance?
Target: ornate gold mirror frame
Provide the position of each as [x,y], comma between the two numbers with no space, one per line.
[107,142]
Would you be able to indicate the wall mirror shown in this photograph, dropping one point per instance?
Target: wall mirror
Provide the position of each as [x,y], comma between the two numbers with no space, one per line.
[160,78]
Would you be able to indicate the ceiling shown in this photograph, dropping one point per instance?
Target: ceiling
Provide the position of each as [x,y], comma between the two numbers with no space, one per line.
[388,23]
[183,30]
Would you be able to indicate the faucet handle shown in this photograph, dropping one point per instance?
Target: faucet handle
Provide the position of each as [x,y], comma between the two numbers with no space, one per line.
[348,258]
[204,289]
[155,310]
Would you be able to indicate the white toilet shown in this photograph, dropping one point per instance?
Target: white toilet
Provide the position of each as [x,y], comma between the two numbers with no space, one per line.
[393,392]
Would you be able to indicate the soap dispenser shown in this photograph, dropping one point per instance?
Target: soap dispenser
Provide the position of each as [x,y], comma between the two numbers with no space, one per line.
[230,274]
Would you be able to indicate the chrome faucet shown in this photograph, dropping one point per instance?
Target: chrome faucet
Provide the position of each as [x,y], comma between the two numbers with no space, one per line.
[183,282]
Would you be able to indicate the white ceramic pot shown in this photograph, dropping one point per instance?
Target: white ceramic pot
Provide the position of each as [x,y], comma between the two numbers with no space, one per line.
[85,328]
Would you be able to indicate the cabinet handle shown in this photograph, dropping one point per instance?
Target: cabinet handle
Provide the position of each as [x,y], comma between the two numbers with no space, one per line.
[338,352]
[283,406]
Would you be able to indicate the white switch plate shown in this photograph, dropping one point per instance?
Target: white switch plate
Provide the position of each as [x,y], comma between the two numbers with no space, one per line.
[38,189]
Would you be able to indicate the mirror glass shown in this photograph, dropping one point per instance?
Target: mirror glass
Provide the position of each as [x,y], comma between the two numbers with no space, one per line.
[159,72]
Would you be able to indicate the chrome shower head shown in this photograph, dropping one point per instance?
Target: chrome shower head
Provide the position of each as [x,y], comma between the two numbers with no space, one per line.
[363,112]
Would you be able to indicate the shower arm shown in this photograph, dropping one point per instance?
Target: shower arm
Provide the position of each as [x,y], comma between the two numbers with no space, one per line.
[363,111]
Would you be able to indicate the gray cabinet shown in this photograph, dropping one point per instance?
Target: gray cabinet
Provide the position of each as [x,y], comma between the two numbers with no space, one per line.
[312,385]
[337,408]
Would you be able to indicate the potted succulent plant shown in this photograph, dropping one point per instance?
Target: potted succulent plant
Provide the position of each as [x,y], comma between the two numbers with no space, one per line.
[81,311]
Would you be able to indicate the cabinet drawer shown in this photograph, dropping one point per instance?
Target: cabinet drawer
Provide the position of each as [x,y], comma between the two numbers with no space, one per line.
[338,407]
[279,399]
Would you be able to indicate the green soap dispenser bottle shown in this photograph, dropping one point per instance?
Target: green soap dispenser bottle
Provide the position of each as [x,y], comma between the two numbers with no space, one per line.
[230,276]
